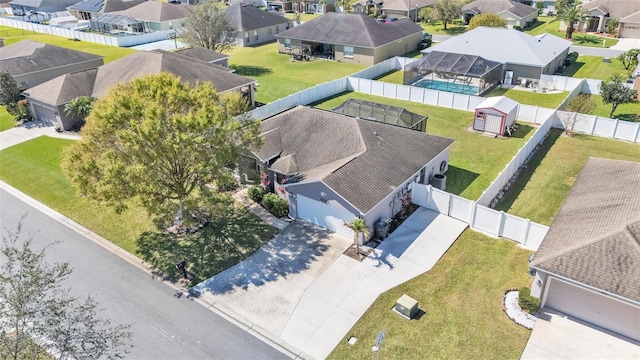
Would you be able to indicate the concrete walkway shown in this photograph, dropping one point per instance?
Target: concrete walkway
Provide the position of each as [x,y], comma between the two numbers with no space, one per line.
[30,131]
[301,289]
[556,336]
[242,197]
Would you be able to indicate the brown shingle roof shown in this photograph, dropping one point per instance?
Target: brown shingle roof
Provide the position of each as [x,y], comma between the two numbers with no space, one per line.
[361,160]
[595,238]
[65,88]
[247,18]
[200,53]
[28,56]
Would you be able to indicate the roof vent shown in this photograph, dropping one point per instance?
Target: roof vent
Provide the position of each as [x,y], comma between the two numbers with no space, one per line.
[375,133]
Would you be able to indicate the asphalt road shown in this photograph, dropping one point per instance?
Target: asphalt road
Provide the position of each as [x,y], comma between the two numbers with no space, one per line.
[163,326]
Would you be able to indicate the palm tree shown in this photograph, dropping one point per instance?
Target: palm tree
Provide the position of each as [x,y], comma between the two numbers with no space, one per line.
[358,226]
[571,14]
[80,106]
[346,5]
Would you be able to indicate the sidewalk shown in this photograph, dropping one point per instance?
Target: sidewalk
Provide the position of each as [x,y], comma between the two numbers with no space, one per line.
[30,131]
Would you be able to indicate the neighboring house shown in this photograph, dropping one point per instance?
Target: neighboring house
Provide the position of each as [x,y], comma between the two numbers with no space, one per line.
[588,265]
[47,100]
[26,7]
[313,6]
[339,167]
[281,6]
[31,63]
[601,11]
[92,9]
[526,56]
[515,14]
[368,7]
[206,55]
[256,26]
[404,8]
[153,15]
[353,38]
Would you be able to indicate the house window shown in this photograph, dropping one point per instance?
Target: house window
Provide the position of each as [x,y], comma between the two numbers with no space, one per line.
[255,34]
[287,43]
[269,32]
[277,29]
[85,15]
[348,51]
[246,37]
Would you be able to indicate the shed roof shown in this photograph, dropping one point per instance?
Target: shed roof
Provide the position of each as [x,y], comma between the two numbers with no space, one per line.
[501,103]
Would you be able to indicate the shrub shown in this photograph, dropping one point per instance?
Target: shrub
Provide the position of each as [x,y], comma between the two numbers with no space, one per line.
[269,200]
[527,302]
[256,192]
[280,208]
[226,182]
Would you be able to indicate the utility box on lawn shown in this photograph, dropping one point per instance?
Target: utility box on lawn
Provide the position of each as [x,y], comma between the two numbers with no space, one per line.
[406,307]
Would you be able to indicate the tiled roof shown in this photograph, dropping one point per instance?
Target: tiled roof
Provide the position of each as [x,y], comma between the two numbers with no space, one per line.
[249,18]
[29,56]
[595,238]
[361,160]
[351,29]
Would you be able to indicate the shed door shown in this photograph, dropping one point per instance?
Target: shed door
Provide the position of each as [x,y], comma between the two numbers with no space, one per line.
[493,123]
[598,309]
[324,215]
[45,115]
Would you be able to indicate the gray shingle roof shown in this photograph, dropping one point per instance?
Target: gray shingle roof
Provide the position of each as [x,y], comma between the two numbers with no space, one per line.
[29,56]
[104,6]
[201,53]
[56,5]
[65,88]
[595,238]
[403,5]
[345,154]
[351,29]
[249,18]
[498,6]
[506,46]
[156,11]
[616,8]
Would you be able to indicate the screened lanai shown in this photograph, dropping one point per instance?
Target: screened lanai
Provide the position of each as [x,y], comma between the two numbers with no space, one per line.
[382,113]
[116,24]
[466,74]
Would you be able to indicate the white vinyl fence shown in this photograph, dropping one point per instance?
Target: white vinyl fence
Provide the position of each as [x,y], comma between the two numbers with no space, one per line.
[603,127]
[496,223]
[121,41]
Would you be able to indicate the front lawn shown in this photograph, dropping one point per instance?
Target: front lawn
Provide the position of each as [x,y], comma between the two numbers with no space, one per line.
[278,76]
[475,159]
[110,53]
[6,119]
[33,167]
[547,25]
[438,28]
[545,100]
[592,67]
[544,184]
[626,112]
[461,303]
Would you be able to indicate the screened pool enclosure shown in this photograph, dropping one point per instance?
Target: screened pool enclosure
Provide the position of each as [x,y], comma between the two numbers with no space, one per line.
[382,113]
[459,73]
[117,24]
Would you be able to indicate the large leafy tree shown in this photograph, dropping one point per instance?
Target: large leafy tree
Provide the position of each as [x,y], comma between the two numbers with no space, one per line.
[209,26]
[571,13]
[614,92]
[447,10]
[37,316]
[10,93]
[161,142]
[346,5]
[486,19]
[629,58]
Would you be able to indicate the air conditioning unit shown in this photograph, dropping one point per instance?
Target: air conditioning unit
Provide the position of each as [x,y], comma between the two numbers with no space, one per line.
[406,307]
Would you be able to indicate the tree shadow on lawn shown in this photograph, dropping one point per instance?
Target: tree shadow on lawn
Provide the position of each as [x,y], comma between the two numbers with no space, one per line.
[232,235]
[573,68]
[458,179]
[628,117]
[585,39]
[246,70]
[291,252]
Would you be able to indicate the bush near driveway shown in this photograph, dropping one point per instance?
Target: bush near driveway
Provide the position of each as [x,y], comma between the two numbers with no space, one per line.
[475,160]
[461,297]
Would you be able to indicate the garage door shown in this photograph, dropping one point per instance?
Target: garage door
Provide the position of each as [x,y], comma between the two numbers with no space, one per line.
[597,309]
[493,123]
[324,215]
[45,115]
[631,31]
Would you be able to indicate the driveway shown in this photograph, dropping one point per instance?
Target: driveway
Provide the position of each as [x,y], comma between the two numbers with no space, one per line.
[304,292]
[556,336]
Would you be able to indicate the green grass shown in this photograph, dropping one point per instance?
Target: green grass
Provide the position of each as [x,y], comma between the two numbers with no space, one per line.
[33,167]
[303,17]
[472,165]
[592,67]
[6,120]
[531,98]
[278,76]
[626,112]
[461,297]
[545,25]
[110,53]
[544,184]
[438,28]
[593,40]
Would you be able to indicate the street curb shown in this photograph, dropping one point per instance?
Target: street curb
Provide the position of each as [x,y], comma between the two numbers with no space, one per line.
[219,309]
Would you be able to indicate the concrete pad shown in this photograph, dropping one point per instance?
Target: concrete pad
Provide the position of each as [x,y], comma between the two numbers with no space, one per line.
[316,345]
[21,134]
[626,44]
[556,336]
[338,281]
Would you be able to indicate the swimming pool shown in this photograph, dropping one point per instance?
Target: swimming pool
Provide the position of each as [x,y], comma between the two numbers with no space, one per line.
[445,86]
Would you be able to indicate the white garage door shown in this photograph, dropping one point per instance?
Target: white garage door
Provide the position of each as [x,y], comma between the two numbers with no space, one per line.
[631,31]
[597,309]
[324,215]
[493,123]
[45,115]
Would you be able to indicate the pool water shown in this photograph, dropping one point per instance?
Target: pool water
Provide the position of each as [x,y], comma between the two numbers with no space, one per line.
[445,86]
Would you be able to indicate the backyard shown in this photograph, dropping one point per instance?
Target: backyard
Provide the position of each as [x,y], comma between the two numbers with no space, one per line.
[627,112]
[228,239]
[544,184]
[461,302]
[547,100]
[278,76]
[472,168]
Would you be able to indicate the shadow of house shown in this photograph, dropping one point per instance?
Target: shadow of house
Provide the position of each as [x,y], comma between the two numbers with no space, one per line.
[47,100]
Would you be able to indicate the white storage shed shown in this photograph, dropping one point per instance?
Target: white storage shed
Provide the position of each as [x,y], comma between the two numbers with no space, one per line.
[495,114]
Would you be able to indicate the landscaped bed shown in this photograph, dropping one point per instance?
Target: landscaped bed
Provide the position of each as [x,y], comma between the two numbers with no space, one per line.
[475,159]
[33,167]
[545,183]
[461,301]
